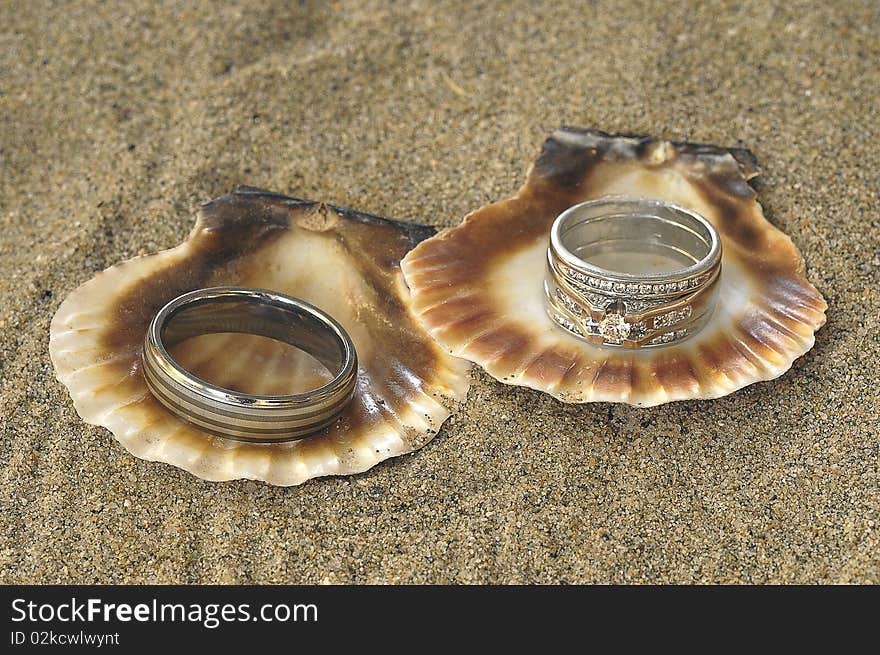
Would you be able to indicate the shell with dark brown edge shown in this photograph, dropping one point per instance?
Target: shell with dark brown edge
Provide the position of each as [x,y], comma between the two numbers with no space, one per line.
[477,288]
[343,261]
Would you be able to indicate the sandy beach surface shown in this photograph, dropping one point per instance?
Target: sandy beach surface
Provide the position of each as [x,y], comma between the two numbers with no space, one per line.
[118,119]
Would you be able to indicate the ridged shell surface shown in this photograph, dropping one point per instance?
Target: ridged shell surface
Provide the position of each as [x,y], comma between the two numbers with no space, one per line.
[344,262]
[477,288]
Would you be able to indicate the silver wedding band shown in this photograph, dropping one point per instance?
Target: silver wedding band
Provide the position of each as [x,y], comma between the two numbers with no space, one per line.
[631,272]
[240,416]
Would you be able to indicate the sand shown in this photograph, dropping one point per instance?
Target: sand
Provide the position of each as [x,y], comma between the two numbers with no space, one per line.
[117,120]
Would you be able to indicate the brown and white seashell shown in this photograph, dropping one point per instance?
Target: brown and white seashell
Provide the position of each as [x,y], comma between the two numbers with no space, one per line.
[344,262]
[477,288]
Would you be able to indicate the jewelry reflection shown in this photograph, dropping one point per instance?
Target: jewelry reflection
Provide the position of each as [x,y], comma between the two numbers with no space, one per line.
[240,416]
[631,272]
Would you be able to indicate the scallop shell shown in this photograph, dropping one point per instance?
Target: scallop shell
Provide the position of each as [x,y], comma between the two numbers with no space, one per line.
[477,288]
[345,262]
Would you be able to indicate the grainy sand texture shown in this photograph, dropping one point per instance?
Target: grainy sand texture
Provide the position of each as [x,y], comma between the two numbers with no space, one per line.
[118,119]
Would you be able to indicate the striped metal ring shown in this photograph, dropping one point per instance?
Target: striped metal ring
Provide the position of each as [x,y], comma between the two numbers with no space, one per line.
[241,416]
